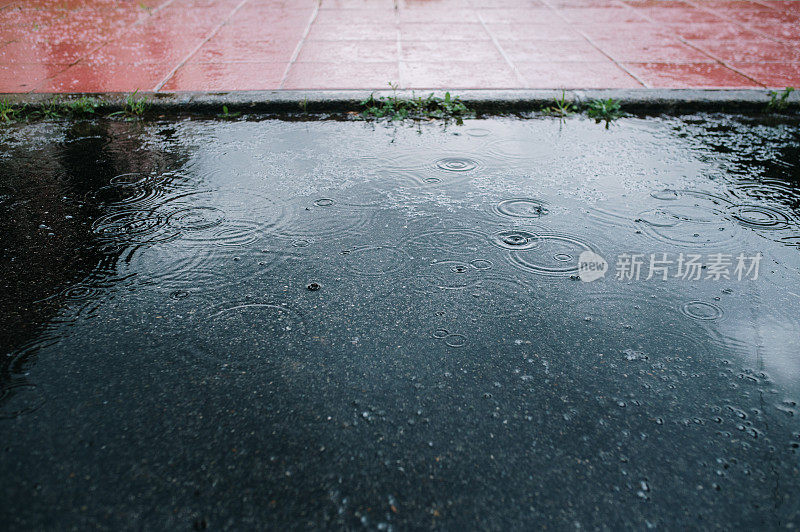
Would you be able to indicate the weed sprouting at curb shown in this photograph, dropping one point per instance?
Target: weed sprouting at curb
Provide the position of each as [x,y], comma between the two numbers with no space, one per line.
[604,110]
[80,107]
[561,108]
[8,113]
[227,114]
[779,101]
[414,108]
[134,107]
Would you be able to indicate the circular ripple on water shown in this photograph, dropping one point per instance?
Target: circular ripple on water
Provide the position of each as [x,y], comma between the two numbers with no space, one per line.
[451,241]
[18,399]
[231,234]
[213,210]
[522,208]
[688,225]
[130,196]
[251,334]
[129,179]
[187,265]
[516,239]
[666,194]
[196,218]
[327,221]
[700,310]
[760,217]
[505,149]
[456,164]
[132,226]
[455,340]
[450,275]
[82,292]
[477,132]
[375,261]
[445,169]
[489,298]
[555,255]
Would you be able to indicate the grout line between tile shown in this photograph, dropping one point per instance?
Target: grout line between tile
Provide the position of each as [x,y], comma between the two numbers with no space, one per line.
[733,21]
[590,41]
[299,46]
[102,44]
[200,45]
[695,47]
[507,59]
[400,81]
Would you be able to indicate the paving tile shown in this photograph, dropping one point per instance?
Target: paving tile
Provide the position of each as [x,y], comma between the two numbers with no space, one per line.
[678,76]
[568,75]
[679,12]
[656,51]
[784,32]
[531,32]
[153,51]
[355,16]
[751,51]
[25,78]
[358,4]
[106,78]
[223,50]
[44,52]
[435,13]
[601,15]
[774,75]
[433,51]
[633,32]
[723,31]
[521,16]
[348,52]
[342,75]
[226,77]
[457,75]
[419,31]
[508,4]
[558,51]
[350,32]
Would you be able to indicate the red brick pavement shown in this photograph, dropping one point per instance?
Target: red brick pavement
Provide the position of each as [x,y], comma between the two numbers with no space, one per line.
[225,45]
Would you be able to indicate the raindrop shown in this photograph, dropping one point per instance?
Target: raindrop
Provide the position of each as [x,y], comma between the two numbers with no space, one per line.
[477,132]
[760,217]
[456,164]
[516,239]
[373,261]
[522,208]
[665,194]
[700,310]
[196,218]
[455,340]
[553,255]
[481,264]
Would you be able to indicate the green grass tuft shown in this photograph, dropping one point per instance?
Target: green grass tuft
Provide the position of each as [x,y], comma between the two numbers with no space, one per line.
[604,110]
[414,108]
[779,101]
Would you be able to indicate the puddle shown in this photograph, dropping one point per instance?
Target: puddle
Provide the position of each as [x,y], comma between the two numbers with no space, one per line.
[352,326]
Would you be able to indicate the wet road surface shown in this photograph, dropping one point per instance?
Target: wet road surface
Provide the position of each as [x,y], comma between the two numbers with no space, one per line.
[239,324]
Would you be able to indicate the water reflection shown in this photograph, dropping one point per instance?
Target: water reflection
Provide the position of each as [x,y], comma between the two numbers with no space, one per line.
[409,298]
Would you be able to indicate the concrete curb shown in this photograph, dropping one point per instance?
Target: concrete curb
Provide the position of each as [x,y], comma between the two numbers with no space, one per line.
[482,101]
